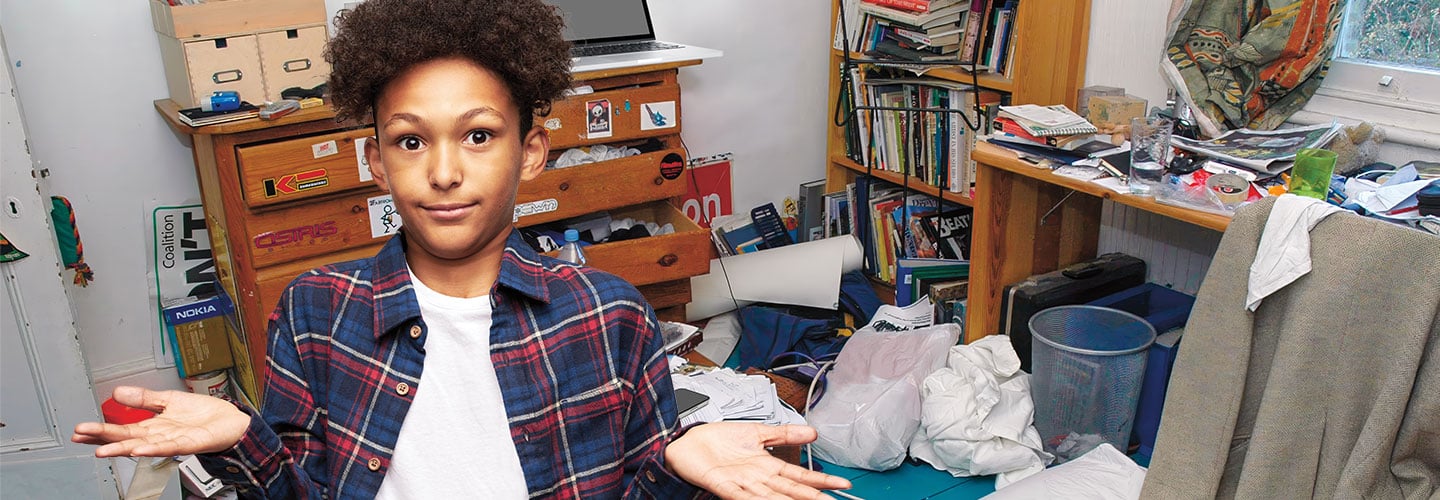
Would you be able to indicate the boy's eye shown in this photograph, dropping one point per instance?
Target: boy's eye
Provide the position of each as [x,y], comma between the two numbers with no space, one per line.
[410,143]
[477,137]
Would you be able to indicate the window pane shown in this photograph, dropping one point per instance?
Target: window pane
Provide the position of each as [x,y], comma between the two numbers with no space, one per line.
[1398,32]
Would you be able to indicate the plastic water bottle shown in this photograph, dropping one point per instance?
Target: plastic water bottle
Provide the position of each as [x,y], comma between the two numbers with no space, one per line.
[571,251]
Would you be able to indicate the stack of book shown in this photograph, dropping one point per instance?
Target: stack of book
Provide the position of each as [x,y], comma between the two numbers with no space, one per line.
[196,117]
[911,30]
[1049,125]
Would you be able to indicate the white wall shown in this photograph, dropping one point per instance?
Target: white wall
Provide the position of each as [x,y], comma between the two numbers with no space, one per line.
[87,71]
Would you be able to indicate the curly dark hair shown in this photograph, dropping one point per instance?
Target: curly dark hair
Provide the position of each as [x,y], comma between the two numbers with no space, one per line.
[520,41]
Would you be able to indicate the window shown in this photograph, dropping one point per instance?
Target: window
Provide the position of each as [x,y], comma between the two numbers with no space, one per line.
[1386,70]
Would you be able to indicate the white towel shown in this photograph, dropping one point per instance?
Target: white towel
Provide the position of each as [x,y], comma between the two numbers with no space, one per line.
[1284,253]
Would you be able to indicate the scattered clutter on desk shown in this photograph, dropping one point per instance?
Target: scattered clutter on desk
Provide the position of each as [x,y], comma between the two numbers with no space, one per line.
[591,229]
[197,117]
[733,396]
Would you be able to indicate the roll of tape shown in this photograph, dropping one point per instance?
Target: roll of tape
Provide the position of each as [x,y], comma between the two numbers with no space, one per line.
[1231,189]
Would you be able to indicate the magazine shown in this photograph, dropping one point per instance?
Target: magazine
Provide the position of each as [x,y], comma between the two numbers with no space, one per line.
[1267,151]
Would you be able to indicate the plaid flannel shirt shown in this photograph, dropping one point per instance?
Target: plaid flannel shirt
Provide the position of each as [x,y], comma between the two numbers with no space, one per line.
[578,353]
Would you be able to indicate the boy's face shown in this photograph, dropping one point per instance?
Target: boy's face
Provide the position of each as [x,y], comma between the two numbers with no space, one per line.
[450,150]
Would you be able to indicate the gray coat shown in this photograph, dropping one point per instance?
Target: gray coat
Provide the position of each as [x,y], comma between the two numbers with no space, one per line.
[1331,389]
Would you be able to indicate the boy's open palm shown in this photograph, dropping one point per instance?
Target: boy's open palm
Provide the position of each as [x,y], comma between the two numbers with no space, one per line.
[186,424]
[729,459]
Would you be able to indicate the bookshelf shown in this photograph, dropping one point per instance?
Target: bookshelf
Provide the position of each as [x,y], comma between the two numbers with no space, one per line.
[1049,46]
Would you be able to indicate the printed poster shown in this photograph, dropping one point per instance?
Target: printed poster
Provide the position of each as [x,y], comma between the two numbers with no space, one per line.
[181,265]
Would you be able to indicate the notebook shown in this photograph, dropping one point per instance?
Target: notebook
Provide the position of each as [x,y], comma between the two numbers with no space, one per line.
[609,34]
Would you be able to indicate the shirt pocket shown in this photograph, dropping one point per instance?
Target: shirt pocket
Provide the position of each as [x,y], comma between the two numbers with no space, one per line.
[597,411]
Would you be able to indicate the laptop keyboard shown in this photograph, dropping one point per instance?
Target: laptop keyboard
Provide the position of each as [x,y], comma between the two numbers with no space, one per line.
[620,48]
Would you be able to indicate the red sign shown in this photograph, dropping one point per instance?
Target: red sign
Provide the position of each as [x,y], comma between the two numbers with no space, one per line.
[707,192]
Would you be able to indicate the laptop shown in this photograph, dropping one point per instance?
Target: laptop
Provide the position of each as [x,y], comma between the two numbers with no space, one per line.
[609,34]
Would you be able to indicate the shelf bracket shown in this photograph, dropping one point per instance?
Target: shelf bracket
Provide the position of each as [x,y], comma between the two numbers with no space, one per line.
[1057,206]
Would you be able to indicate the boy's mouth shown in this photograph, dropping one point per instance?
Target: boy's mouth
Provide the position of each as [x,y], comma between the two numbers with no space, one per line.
[448,211]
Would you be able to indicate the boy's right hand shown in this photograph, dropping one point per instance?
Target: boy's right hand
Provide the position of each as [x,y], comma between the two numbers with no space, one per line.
[186,424]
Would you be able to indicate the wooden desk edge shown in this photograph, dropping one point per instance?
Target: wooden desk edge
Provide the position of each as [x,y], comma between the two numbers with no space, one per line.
[1004,159]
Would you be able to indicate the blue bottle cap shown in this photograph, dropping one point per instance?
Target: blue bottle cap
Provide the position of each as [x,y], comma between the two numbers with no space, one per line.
[572,235]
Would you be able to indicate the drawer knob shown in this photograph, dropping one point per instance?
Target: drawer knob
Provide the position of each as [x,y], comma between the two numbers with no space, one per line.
[355,209]
[668,260]
[659,181]
[565,186]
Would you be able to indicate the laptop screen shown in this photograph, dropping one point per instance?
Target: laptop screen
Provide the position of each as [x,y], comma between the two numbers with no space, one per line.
[593,21]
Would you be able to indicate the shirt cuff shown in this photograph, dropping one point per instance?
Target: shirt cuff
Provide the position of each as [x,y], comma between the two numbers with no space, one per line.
[254,456]
[655,480]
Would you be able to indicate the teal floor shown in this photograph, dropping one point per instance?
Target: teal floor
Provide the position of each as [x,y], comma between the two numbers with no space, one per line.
[917,481]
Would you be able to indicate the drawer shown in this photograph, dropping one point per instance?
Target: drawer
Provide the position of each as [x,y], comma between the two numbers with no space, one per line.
[639,106]
[569,192]
[292,58]
[301,168]
[230,17]
[321,227]
[644,261]
[271,281]
[231,63]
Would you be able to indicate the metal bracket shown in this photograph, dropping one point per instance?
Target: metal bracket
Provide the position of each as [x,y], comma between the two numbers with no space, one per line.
[1057,206]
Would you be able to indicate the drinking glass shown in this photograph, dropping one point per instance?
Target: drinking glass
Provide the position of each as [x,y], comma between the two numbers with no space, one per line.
[1149,153]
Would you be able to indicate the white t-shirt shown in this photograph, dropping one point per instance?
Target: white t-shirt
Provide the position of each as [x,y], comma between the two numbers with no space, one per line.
[455,441]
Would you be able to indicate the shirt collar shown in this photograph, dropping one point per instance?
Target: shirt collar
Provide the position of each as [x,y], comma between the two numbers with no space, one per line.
[395,304]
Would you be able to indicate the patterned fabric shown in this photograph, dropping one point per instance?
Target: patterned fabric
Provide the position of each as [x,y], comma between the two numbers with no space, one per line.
[8,252]
[586,387]
[67,235]
[1250,63]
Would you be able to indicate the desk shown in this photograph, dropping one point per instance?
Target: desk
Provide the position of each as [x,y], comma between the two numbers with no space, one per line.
[1012,238]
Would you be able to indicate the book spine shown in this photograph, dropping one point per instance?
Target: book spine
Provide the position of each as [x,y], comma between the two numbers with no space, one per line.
[920,6]
[973,21]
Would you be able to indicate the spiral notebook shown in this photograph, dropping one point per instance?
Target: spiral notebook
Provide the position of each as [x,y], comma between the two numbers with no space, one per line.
[1044,121]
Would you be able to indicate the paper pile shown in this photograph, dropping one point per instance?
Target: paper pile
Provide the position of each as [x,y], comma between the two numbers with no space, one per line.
[735,396]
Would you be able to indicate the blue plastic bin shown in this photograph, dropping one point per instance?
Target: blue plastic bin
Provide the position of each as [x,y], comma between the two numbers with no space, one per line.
[1165,309]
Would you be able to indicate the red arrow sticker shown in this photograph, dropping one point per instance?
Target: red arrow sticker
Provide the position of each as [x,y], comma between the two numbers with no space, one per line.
[294,183]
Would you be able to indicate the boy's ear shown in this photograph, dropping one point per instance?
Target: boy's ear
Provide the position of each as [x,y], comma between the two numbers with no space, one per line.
[377,169]
[536,150]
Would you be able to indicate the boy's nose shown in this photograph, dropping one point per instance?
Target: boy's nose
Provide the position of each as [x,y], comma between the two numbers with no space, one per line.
[445,172]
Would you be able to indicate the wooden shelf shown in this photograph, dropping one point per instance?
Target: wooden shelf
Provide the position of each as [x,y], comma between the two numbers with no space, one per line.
[988,80]
[915,183]
[1005,159]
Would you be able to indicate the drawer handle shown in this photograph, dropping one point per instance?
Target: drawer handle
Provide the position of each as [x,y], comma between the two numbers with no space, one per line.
[565,186]
[668,260]
[297,63]
[222,76]
[659,181]
[355,209]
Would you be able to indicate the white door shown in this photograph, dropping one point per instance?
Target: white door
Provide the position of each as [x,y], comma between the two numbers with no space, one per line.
[44,385]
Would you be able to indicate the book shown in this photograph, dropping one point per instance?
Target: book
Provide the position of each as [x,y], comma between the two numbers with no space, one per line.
[905,270]
[951,231]
[973,21]
[1042,121]
[196,117]
[914,18]
[812,210]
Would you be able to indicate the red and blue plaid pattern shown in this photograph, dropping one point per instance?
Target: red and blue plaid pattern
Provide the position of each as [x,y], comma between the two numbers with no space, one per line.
[577,351]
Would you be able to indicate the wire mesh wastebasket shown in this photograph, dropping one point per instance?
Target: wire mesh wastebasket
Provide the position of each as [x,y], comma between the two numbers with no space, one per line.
[1088,363]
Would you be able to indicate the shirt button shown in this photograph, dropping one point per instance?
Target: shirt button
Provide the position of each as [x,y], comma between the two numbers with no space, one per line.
[415,331]
[650,476]
[402,388]
[373,464]
[232,469]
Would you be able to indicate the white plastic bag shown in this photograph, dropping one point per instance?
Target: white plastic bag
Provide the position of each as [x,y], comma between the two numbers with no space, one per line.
[977,415]
[871,408]
[1100,474]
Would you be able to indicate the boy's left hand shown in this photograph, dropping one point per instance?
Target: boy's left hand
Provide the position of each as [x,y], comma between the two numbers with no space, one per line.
[729,459]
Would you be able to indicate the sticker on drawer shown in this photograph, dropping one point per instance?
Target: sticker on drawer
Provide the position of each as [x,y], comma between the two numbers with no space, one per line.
[361,162]
[295,234]
[384,220]
[597,119]
[536,207]
[295,183]
[657,115]
[323,149]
